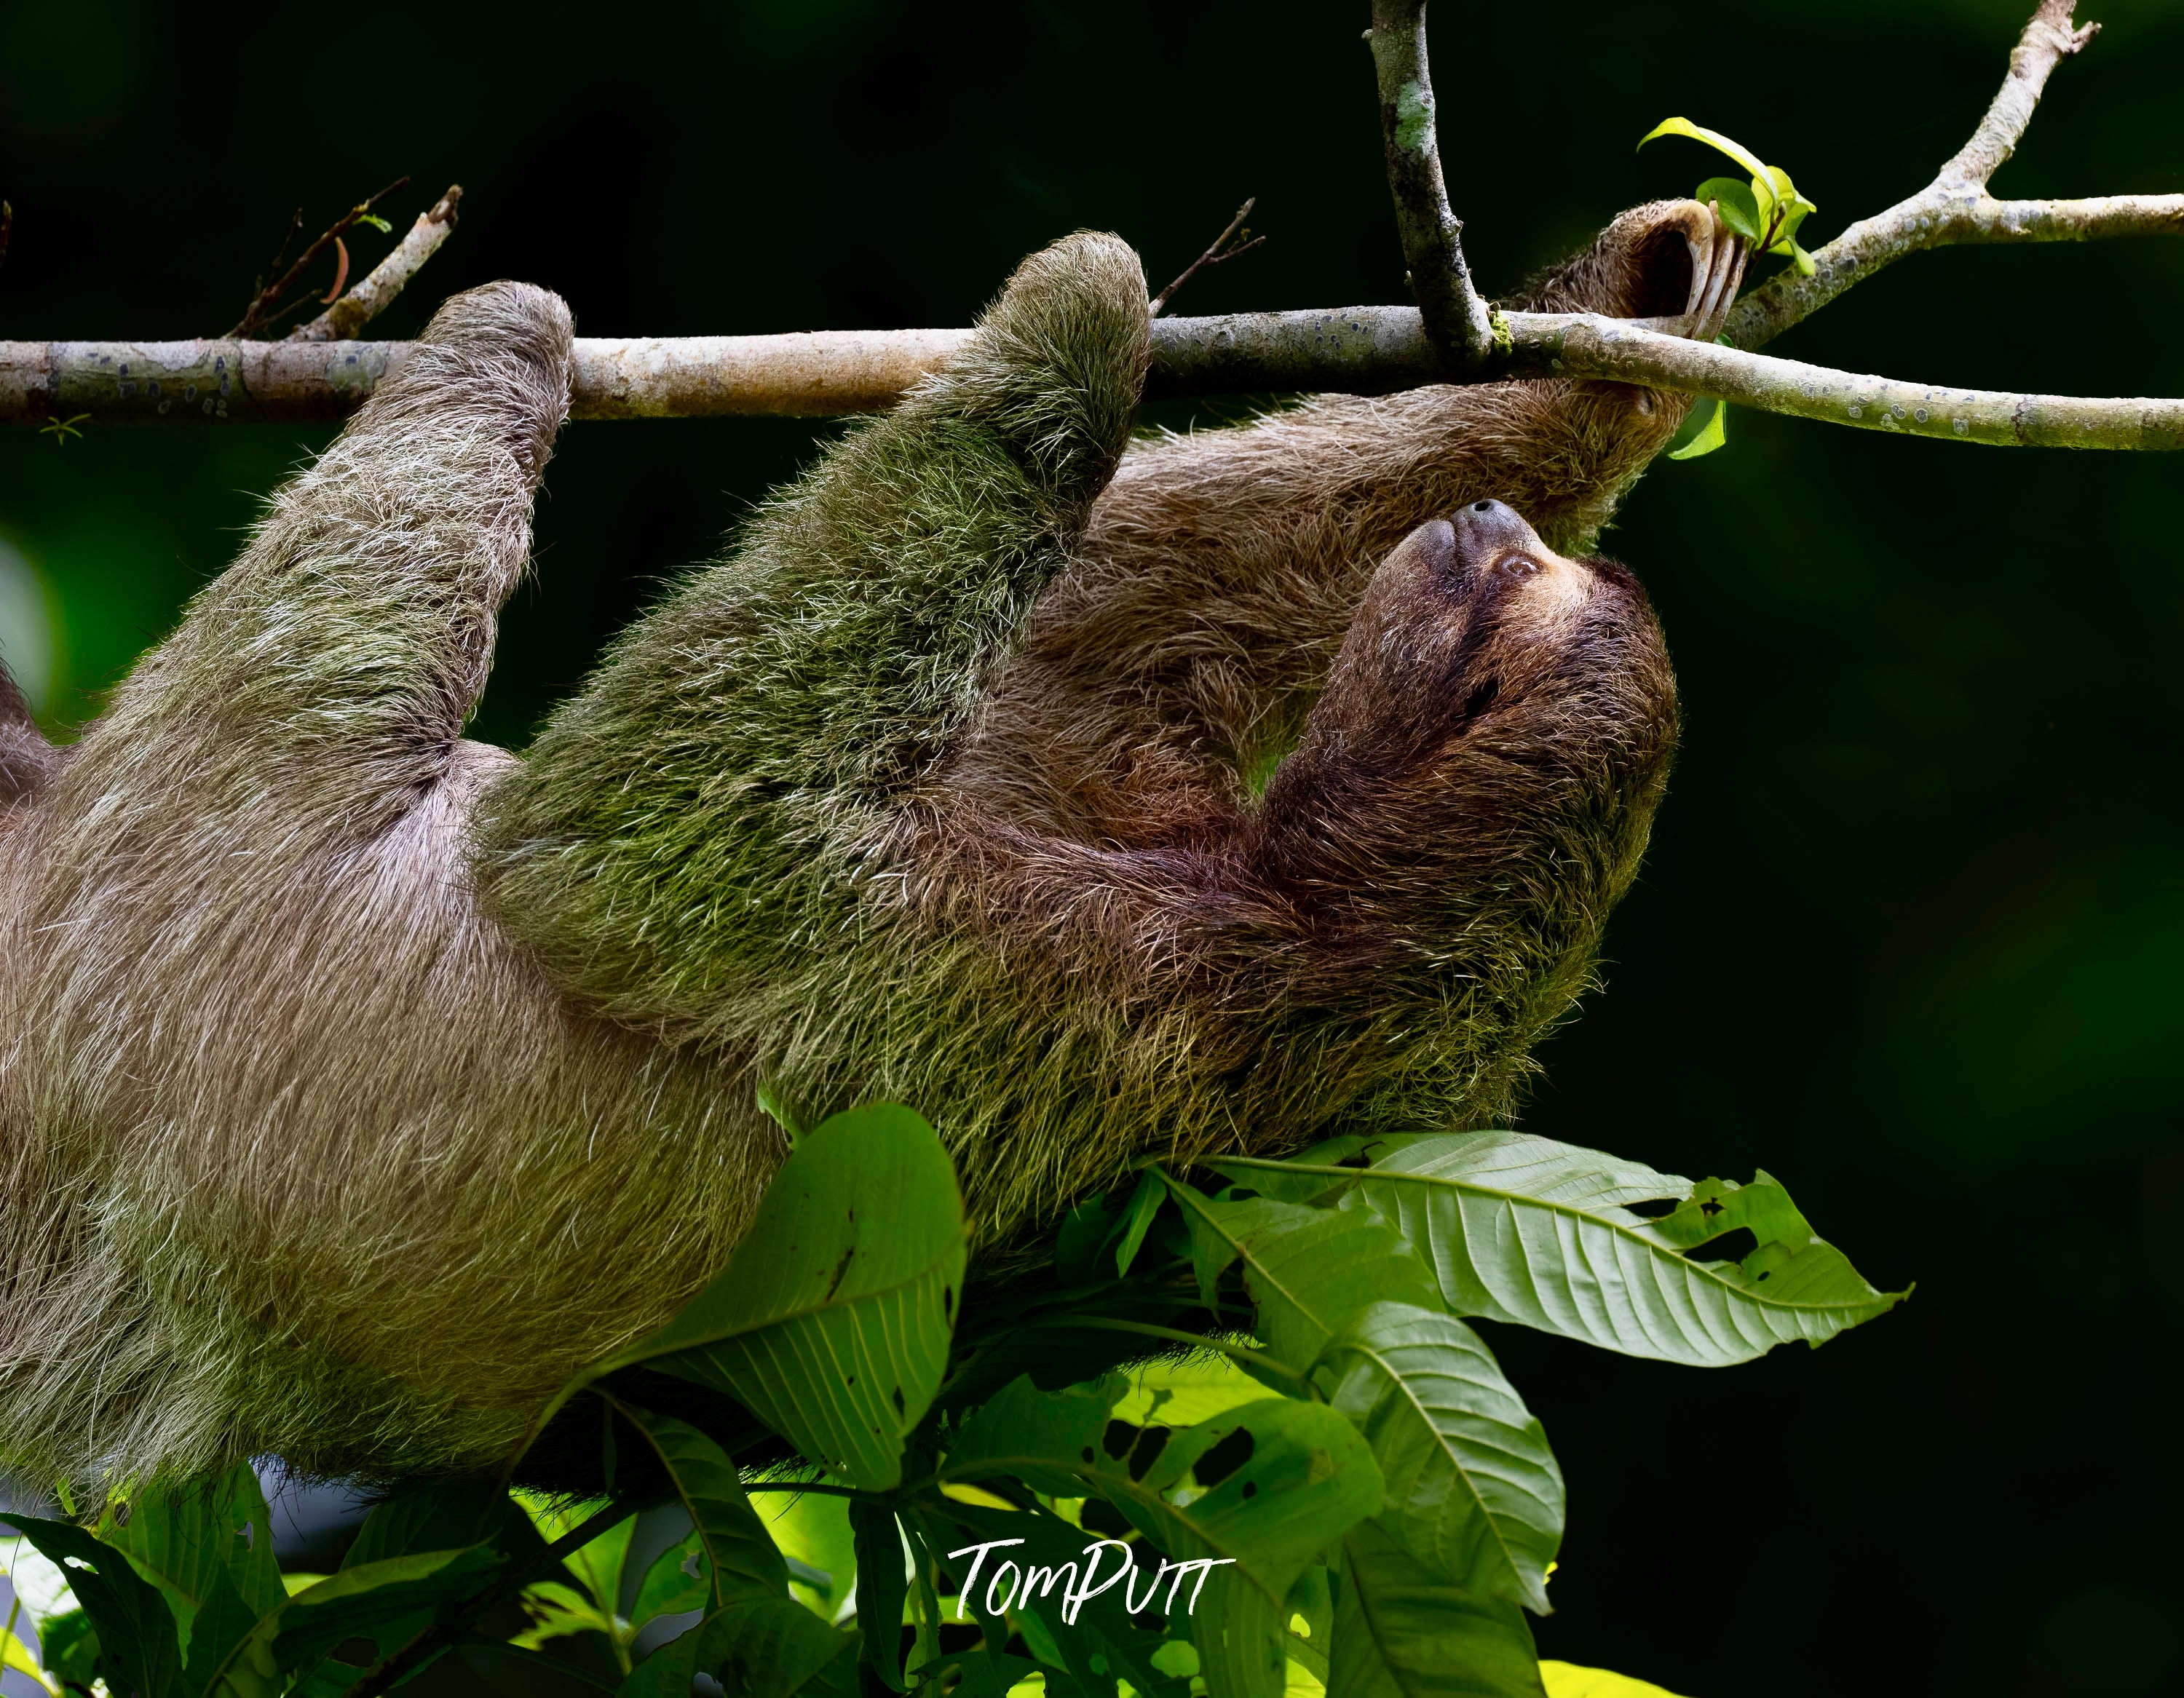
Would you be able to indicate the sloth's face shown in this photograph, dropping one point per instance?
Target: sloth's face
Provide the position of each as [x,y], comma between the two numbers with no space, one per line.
[1500,586]
[1473,623]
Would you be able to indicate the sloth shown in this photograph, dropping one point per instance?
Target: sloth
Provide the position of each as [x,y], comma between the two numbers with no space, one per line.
[1201,793]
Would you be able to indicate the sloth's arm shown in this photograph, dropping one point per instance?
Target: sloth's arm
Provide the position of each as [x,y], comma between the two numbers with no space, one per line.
[694,833]
[321,681]
[1223,566]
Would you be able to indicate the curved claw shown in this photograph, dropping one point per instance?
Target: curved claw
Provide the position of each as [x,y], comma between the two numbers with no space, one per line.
[1717,262]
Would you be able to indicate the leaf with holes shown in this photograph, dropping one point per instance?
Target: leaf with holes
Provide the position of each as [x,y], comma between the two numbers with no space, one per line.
[1279,1480]
[832,1321]
[1473,1492]
[1017,1571]
[1523,1229]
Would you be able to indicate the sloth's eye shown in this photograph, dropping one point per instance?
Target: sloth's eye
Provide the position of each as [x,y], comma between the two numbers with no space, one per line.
[1518,566]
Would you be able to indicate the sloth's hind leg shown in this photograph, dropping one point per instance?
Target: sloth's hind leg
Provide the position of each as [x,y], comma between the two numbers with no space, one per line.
[327,673]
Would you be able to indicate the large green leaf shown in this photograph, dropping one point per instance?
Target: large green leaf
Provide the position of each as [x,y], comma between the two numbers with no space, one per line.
[832,1321]
[138,1651]
[739,1558]
[183,1541]
[1400,1631]
[1474,1493]
[1308,1270]
[1523,1229]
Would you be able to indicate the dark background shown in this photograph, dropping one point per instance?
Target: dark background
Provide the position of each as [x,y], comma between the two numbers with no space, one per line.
[1909,933]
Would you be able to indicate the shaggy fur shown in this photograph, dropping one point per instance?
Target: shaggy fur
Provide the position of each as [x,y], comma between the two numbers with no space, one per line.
[358,1083]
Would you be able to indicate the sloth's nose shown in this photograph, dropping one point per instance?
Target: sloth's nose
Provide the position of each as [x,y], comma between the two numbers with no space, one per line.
[1485,526]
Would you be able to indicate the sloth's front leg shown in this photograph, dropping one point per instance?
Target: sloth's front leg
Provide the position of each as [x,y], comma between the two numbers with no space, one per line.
[322,680]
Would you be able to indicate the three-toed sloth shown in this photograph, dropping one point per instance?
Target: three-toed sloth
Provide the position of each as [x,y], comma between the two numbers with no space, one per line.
[1094,796]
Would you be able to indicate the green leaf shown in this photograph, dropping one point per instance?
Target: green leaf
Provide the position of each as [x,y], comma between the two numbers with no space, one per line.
[776,1108]
[1302,1178]
[386,1602]
[1401,1633]
[224,1620]
[15,1654]
[812,1532]
[1705,431]
[740,1559]
[1802,260]
[1568,1680]
[1714,138]
[138,1649]
[1044,1439]
[69,1647]
[1242,1650]
[1039,1541]
[375,221]
[1308,1270]
[754,1648]
[1145,1204]
[832,1321]
[184,1540]
[1181,1392]
[1740,210]
[1473,1492]
[883,1589]
[1302,1474]
[1523,1229]
[1785,191]
[674,1582]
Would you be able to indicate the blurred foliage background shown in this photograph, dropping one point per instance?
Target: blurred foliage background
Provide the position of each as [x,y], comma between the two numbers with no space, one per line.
[1911,930]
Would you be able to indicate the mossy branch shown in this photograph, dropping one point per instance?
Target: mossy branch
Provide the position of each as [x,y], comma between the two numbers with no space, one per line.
[1360,350]
[1454,315]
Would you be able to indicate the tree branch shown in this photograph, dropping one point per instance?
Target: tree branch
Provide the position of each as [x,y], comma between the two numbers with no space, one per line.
[1955,208]
[340,321]
[1454,315]
[1359,350]
[1629,351]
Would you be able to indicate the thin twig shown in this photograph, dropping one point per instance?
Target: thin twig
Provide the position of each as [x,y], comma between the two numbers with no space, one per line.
[1455,314]
[1218,254]
[255,314]
[1955,207]
[352,312]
